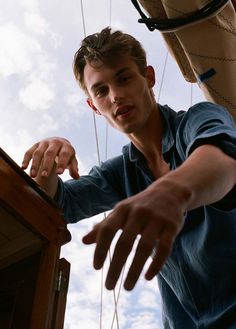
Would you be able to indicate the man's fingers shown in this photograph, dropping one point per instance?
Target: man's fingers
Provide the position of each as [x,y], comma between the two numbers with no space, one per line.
[91,237]
[122,250]
[44,155]
[73,169]
[143,251]
[37,157]
[163,250]
[104,239]
[66,159]
[102,234]
[28,156]
[41,155]
[48,158]
[108,229]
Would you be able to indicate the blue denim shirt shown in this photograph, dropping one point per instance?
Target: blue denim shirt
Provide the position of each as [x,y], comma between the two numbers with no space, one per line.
[198,281]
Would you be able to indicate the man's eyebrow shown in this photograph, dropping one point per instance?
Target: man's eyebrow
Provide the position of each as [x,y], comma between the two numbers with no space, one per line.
[124,69]
[99,83]
[95,86]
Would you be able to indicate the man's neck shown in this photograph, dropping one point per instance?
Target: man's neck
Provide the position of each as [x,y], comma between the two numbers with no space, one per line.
[149,142]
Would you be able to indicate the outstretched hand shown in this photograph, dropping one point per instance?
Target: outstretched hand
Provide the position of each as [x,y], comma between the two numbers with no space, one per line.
[155,216]
[51,153]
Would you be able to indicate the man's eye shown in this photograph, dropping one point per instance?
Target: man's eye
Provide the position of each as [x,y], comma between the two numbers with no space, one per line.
[100,92]
[124,78]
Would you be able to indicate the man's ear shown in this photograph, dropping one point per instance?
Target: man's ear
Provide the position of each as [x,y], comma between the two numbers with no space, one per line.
[150,76]
[90,104]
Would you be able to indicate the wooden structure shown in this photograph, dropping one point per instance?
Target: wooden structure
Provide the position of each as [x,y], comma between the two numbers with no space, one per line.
[33,278]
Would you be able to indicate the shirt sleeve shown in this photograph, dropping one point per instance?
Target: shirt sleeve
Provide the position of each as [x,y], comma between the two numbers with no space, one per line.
[208,123]
[92,194]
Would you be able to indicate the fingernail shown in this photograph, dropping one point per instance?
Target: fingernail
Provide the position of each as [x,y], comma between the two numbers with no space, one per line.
[149,276]
[59,170]
[97,265]
[110,284]
[44,173]
[128,285]
[32,172]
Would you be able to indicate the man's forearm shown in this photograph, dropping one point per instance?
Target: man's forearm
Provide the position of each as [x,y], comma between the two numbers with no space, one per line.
[204,178]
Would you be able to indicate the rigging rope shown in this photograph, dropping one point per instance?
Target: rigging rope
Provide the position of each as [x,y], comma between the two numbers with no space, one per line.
[115,315]
[99,161]
[162,81]
[191,94]
[115,299]
[173,24]
[83,20]
[162,76]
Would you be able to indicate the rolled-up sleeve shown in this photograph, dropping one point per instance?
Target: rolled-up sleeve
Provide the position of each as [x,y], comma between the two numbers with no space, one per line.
[207,123]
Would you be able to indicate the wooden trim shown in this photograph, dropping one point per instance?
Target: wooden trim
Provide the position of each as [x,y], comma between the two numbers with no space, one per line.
[45,290]
[61,294]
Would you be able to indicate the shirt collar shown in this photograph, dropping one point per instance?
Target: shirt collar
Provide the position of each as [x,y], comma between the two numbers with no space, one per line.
[167,138]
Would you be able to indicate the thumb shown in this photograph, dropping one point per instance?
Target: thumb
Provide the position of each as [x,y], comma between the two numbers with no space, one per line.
[91,237]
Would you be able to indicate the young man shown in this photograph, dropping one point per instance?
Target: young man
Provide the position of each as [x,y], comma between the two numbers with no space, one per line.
[174,186]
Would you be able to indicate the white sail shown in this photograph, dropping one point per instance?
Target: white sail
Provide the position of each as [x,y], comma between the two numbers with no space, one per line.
[204,45]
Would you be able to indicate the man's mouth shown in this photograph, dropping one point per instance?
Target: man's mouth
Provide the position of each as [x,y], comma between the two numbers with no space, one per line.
[122,110]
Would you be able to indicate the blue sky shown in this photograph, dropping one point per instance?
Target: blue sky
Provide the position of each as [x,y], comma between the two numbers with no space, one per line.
[40,98]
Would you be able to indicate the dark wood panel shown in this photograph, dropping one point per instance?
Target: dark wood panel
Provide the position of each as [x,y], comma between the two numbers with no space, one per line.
[32,230]
[17,292]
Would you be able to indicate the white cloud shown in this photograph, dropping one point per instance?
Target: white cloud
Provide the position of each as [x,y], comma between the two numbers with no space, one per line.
[16,146]
[73,99]
[16,51]
[144,320]
[37,95]
[29,4]
[36,23]
[48,124]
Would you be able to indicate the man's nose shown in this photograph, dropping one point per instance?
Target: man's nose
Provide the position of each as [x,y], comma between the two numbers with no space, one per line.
[116,96]
[115,100]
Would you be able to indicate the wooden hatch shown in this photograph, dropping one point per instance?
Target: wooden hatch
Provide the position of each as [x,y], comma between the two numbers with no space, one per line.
[33,278]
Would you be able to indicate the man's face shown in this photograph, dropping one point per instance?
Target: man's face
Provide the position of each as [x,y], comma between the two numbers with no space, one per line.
[121,94]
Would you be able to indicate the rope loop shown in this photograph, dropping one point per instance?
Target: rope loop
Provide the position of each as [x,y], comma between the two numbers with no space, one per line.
[174,24]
